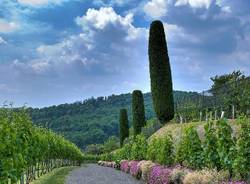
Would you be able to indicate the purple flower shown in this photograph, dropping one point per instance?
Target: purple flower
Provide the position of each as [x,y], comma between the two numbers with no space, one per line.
[234,182]
[160,174]
[155,175]
[135,169]
[125,166]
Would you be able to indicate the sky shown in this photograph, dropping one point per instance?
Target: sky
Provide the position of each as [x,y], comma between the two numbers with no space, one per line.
[63,51]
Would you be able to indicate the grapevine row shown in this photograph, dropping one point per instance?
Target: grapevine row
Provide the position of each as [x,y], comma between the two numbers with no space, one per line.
[27,152]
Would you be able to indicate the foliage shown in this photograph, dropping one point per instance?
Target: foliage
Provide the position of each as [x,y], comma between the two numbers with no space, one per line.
[161,150]
[192,148]
[124,126]
[138,111]
[242,161]
[90,158]
[232,89]
[160,73]
[151,127]
[22,145]
[226,145]
[139,148]
[112,143]
[93,120]
[212,159]
[95,149]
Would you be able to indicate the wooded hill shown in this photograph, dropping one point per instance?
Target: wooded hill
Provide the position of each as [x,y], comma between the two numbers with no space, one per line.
[93,120]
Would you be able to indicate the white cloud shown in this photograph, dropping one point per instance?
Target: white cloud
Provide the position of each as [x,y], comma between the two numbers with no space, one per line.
[2,41]
[6,27]
[107,43]
[194,3]
[40,3]
[156,8]
[33,2]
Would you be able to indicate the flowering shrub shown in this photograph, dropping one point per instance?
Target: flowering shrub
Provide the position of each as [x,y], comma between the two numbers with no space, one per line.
[234,182]
[161,174]
[135,169]
[205,177]
[177,176]
[145,169]
[125,166]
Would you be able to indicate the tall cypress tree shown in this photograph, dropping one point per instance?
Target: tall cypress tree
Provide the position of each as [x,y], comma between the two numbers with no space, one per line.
[160,73]
[124,128]
[138,111]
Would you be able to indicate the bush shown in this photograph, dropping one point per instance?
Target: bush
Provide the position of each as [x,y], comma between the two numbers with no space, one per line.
[135,169]
[190,149]
[212,159]
[124,166]
[145,167]
[226,145]
[160,73]
[161,150]
[139,148]
[177,176]
[204,177]
[242,162]
[153,148]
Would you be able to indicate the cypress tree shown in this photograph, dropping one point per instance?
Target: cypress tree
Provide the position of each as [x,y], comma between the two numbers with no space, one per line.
[160,73]
[138,111]
[124,128]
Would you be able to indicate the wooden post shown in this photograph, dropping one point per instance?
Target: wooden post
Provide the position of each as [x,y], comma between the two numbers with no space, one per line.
[233,112]
[200,116]
[181,119]
[222,114]
[211,115]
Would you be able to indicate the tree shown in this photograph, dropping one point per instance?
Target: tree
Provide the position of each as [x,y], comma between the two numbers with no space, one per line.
[138,111]
[124,128]
[232,90]
[160,73]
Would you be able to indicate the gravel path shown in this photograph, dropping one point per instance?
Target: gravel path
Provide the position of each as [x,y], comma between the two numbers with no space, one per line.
[94,174]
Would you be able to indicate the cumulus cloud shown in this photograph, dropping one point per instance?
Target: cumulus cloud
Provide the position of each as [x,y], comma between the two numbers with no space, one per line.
[6,27]
[106,53]
[156,8]
[194,3]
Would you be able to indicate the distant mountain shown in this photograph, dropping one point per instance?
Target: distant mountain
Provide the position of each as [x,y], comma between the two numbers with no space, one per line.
[93,120]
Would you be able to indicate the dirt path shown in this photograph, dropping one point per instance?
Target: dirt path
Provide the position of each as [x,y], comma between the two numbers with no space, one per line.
[94,174]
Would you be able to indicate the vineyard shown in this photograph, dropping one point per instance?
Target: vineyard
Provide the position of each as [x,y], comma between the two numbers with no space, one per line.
[27,152]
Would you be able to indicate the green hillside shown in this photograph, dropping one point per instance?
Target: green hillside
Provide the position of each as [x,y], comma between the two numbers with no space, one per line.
[93,120]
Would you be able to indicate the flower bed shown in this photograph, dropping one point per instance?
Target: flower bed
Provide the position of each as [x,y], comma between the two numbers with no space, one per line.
[135,169]
[125,166]
[153,173]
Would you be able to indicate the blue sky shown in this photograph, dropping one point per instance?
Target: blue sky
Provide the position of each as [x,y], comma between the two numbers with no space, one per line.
[62,51]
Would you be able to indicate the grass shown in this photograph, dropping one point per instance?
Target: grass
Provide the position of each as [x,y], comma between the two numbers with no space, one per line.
[175,129]
[57,176]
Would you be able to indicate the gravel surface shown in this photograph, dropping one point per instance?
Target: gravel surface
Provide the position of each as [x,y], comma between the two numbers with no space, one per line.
[94,174]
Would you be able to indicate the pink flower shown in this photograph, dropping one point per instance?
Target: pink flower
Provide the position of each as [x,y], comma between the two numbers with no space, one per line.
[125,166]
[234,182]
[135,169]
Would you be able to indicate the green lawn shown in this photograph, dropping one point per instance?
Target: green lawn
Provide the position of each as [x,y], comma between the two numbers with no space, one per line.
[57,176]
